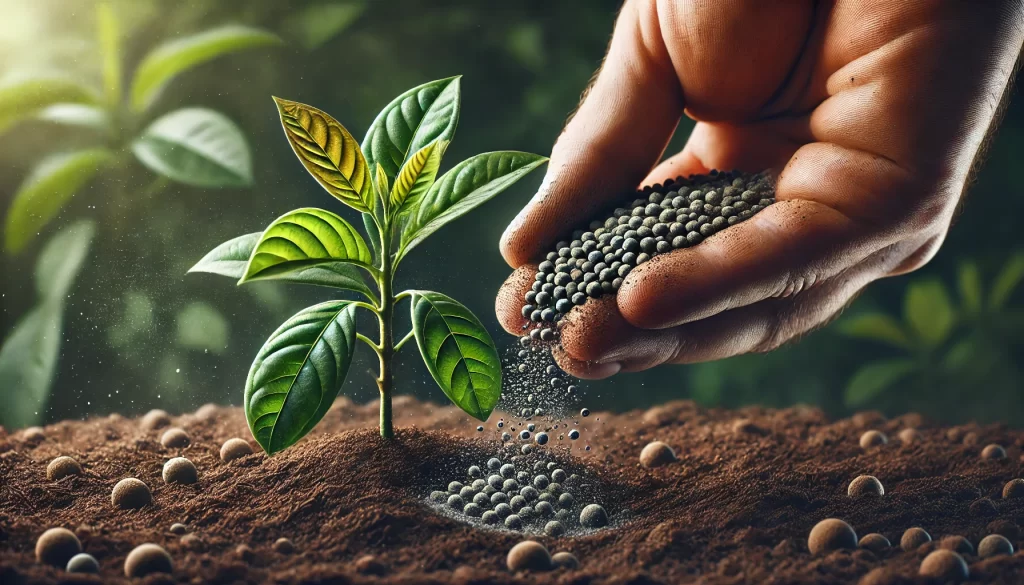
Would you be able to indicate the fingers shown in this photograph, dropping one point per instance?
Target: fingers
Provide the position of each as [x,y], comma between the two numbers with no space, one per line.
[508,306]
[613,141]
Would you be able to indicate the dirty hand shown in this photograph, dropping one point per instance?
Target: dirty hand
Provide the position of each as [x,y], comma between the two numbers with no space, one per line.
[874,112]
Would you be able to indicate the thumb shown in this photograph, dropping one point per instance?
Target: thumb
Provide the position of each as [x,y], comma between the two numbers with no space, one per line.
[616,137]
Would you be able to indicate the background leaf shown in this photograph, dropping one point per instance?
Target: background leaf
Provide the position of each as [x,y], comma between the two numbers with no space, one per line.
[928,311]
[416,177]
[872,379]
[23,97]
[876,327]
[198,147]
[174,57]
[42,195]
[458,351]
[110,47]
[229,259]
[329,153]
[1007,280]
[316,24]
[463,188]
[61,260]
[297,374]
[302,239]
[201,326]
[82,115]
[414,119]
[969,283]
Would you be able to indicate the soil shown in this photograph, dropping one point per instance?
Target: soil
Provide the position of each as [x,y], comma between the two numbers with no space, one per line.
[735,508]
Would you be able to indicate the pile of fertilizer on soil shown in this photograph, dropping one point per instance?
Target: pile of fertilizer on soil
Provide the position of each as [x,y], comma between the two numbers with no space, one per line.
[736,507]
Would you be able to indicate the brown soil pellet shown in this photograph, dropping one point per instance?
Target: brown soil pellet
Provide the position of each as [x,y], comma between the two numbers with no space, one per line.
[656,454]
[994,545]
[909,435]
[233,449]
[147,559]
[1013,489]
[875,543]
[865,485]
[283,546]
[944,565]
[831,534]
[175,439]
[180,470]
[565,560]
[993,452]
[178,528]
[62,467]
[56,546]
[914,538]
[33,435]
[528,555]
[155,419]
[983,508]
[957,544]
[131,494]
[370,565]
[191,542]
[873,439]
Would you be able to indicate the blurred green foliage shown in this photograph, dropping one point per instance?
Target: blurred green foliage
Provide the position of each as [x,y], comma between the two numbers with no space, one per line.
[524,65]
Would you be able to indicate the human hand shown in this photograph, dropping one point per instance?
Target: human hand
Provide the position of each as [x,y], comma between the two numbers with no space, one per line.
[875,111]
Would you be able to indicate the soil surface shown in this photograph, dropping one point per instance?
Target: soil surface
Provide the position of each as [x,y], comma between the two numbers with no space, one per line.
[736,507]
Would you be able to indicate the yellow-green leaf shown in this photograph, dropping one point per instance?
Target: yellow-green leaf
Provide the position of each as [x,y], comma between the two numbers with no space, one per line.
[1007,280]
[329,153]
[110,47]
[22,98]
[174,57]
[50,185]
[417,176]
[969,281]
[876,327]
[874,378]
[383,185]
[929,312]
[302,239]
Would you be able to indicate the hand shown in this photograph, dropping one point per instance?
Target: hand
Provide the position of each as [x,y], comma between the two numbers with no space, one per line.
[874,111]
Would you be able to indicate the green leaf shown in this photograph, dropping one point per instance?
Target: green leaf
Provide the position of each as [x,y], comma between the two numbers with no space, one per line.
[463,188]
[416,177]
[316,24]
[458,351]
[929,312]
[969,283]
[28,361]
[230,258]
[201,326]
[329,153]
[44,192]
[874,378]
[1006,282]
[110,48]
[372,232]
[302,239]
[61,260]
[196,147]
[82,115]
[381,184]
[174,57]
[876,327]
[297,374]
[424,114]
[21,98]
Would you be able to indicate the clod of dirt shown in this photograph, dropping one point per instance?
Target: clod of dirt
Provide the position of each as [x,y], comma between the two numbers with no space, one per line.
[983,508]
[554,528]
[593,516]
[191,542]
[178,528]
[909,435]
[565,560]
[994,545]
[245,552]
[155,419]
[56,546]
[914,538]
[62,467]
[957,544]
[875,543]
[529,555]
[745,426]
[865,485]
[175,439]
[1013,489]
[147,559]
[656,454]
[83,563]
[944,565]
[180,470]
[234,449]
[370,565]
[873,439]
[831,534]
[131,494]
[207,411]
[33,435]
[993,452]
[283,546]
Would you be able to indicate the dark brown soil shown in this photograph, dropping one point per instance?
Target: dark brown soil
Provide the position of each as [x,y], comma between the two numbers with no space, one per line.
[736,507]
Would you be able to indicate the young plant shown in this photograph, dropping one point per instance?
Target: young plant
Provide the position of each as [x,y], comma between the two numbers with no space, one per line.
[392,181]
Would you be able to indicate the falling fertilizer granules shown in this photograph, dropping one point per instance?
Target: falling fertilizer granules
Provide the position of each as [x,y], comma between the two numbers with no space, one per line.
[735,505]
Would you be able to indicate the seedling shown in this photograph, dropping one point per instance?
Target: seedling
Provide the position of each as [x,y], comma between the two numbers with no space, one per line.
[392,181]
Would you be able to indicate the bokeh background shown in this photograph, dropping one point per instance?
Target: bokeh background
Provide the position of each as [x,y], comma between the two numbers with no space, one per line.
[137,333]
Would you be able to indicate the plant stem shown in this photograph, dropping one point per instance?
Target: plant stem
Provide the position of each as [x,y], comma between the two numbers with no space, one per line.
[386,345]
